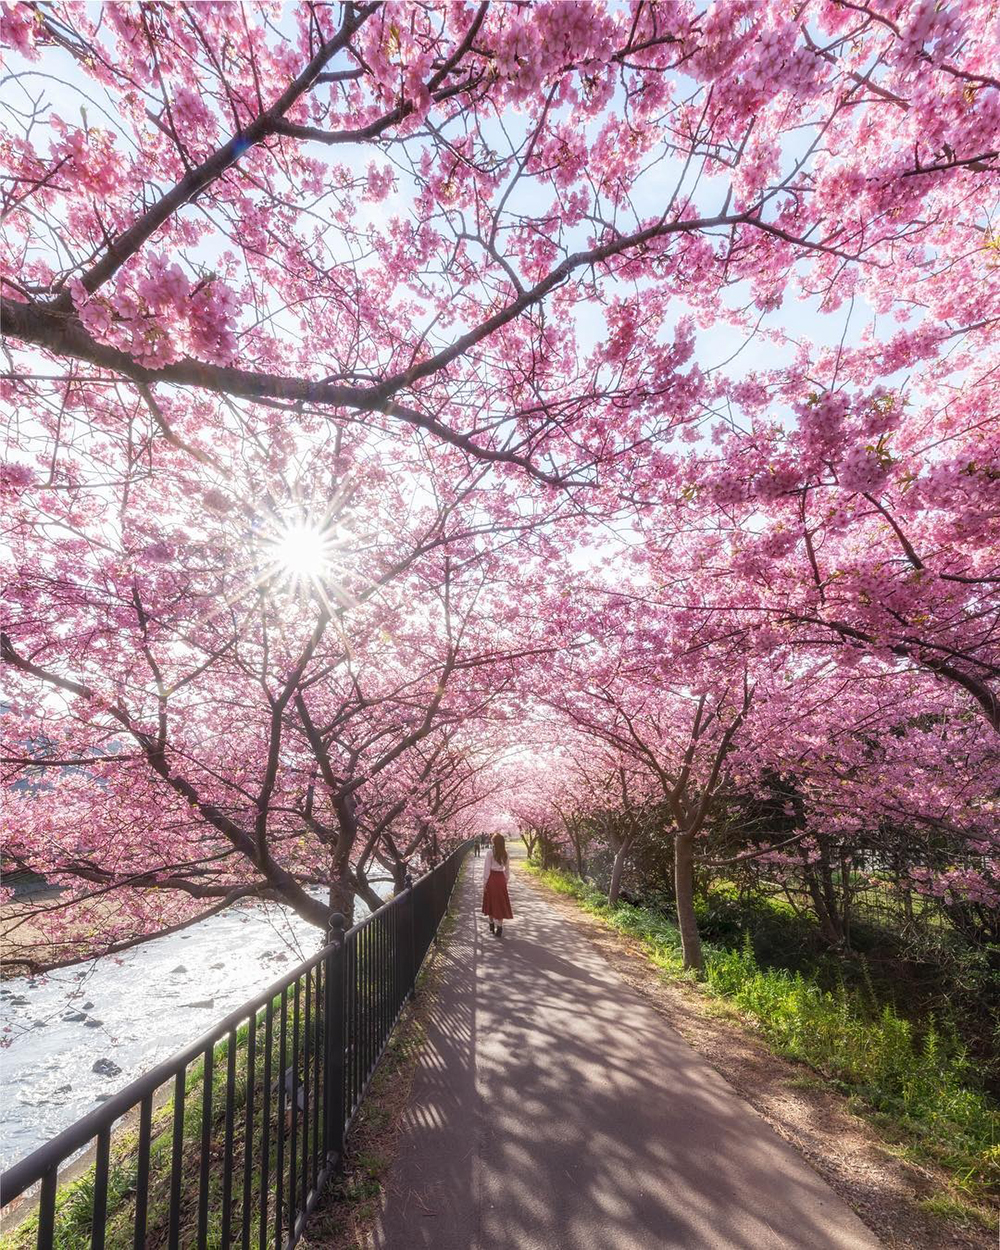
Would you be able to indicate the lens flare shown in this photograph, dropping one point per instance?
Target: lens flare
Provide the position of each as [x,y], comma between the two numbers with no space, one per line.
[303,551]
[306,557]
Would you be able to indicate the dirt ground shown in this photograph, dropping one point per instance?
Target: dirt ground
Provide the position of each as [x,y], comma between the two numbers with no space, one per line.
[848,1153]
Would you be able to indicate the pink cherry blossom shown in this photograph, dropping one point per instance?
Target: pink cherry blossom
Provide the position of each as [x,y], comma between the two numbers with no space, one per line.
[428,418]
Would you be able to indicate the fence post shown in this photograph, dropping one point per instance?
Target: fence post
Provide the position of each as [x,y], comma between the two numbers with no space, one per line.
[409,937]
[333,1078]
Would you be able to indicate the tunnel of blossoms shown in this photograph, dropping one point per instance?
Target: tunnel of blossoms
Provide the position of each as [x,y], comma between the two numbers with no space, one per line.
[428,419]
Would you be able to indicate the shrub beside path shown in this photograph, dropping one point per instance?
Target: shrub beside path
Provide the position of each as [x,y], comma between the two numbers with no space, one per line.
[552,1109]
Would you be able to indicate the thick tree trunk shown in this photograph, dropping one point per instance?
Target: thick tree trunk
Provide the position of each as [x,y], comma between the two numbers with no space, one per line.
[616,874]
[684,895]
[400,871]
[369,895]
[341,877]
[830,894]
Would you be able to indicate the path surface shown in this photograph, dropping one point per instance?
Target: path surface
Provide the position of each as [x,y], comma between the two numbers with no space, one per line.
[553,1109]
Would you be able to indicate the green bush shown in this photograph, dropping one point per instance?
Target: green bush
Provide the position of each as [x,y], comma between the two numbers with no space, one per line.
[925,973]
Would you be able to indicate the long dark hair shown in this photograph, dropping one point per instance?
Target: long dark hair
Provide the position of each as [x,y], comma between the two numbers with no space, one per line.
[499,848]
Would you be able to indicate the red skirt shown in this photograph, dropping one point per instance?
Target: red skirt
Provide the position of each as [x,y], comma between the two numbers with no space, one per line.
[496,900]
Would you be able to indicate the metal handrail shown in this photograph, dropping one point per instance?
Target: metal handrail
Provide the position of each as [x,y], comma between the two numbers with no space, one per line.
[384,962]
[30,1169]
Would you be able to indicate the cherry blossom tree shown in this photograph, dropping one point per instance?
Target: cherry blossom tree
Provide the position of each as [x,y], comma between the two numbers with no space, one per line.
[872,526]
[665,725]
[340,336]
[247,705]
[243,244]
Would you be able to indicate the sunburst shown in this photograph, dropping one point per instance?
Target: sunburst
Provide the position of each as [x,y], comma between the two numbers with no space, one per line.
[303,557]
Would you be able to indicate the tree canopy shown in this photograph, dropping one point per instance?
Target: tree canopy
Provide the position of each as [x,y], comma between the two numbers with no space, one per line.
[423,418]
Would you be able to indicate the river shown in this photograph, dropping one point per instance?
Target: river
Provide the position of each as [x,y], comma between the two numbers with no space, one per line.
[128,1012]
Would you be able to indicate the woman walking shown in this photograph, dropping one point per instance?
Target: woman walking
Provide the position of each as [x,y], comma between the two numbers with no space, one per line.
[496,900]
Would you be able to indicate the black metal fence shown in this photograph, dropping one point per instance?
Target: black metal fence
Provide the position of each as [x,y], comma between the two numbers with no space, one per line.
[232,1140]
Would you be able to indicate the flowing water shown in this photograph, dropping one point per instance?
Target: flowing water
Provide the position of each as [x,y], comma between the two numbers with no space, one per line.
[75,1037]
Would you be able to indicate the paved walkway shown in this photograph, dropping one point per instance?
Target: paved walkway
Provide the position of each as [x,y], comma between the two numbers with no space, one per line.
[553,1109]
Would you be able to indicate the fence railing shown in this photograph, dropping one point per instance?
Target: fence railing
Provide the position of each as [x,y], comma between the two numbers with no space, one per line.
[231,1141]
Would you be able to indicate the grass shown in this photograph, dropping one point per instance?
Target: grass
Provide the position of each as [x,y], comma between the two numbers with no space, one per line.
[920,1086]
[924,973]
[954,1212]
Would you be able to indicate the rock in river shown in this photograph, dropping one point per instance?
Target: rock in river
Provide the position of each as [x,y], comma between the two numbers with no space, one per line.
[106,1067]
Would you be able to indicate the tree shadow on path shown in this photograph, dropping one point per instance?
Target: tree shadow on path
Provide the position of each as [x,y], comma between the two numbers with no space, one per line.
[554,1108]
